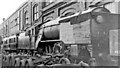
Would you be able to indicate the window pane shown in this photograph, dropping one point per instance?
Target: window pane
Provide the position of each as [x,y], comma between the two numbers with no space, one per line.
[37,15]
[26,17]
[35,11]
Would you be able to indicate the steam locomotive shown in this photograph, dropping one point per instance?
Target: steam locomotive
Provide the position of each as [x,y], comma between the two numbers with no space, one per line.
[88,28]
[48,31]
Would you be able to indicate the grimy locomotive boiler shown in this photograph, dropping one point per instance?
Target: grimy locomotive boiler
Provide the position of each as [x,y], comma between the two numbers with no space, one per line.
[87,38]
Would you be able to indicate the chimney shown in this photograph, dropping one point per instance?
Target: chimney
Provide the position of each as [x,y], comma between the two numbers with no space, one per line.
[3,19]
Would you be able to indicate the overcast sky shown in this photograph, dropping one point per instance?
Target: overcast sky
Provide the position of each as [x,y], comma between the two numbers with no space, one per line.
[7,7]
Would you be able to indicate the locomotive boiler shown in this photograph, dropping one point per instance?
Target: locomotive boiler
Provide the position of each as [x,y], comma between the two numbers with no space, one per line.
[50,30]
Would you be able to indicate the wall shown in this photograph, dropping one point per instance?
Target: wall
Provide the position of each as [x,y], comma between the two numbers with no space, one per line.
[58,8]
[1,29]
[6,28]
[46,13]
[14,24]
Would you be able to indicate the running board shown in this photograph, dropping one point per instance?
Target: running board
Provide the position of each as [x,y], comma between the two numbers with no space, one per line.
[51,41]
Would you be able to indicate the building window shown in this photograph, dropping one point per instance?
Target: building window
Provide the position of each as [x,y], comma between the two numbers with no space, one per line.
[47,2]
[16,21]
[35,12]
[33,31]
[26,17]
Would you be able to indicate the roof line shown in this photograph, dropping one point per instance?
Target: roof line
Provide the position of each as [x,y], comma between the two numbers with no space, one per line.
[16,10]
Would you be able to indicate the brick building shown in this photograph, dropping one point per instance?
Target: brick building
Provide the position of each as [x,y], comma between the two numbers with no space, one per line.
[33,13]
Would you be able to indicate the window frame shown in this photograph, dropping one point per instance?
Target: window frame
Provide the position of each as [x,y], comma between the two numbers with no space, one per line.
[26,17]
[35,12]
